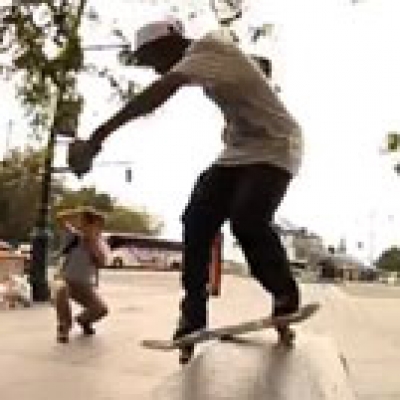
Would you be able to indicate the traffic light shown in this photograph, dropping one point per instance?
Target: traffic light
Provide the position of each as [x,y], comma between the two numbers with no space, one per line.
[393,141]
[128,175]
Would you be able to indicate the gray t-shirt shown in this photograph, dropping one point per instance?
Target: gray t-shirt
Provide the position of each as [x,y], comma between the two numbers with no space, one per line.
[258,127]
[79,265]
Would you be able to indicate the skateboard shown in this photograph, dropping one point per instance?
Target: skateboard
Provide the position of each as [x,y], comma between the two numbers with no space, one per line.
[282,324]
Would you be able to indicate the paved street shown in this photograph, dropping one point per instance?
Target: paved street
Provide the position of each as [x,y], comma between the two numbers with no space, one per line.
[113,365]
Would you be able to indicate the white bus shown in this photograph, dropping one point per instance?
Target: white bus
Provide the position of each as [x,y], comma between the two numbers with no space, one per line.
[140,251]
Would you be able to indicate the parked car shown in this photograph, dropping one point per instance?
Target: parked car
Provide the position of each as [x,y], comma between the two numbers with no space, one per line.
[11,262]
[25,250]
[5,246]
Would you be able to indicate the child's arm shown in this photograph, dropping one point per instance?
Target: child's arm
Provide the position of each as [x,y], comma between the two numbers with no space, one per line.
[99,253]
[98,250]
[69,220]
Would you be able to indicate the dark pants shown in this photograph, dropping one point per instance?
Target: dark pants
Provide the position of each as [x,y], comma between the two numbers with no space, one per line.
[248,196]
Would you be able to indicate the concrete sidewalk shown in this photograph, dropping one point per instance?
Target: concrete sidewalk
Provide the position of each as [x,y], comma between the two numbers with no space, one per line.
[113,365]
[110,365]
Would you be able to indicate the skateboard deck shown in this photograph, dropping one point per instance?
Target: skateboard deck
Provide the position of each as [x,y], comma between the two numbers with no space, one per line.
[229,331]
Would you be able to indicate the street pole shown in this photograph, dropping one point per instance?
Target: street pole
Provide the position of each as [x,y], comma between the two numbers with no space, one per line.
[41,233]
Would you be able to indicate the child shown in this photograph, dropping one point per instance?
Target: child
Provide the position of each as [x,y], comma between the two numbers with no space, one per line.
[85,252]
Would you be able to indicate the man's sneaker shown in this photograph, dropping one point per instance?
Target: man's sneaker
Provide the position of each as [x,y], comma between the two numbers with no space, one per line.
[87,328]
[285,305]
[184,328]
[193,317]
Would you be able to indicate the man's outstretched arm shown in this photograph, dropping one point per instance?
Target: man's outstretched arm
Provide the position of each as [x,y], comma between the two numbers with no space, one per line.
[142,104]
[81,152]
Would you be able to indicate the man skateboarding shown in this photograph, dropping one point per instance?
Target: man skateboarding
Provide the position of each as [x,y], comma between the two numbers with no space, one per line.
[246,183]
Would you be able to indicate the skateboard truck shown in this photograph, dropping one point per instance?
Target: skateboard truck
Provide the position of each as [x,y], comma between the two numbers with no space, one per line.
[186,354]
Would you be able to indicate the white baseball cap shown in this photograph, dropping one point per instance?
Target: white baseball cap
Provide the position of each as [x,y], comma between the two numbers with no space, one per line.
[157,30]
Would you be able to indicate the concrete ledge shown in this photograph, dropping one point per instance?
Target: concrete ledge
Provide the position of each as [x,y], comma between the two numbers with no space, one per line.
[256,368]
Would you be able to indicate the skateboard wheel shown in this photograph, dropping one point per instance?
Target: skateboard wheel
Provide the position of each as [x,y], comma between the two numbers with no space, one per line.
[185,354]
[227,338]
[286,336]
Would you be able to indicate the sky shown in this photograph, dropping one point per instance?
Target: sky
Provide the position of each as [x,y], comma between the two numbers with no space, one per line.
[337,65]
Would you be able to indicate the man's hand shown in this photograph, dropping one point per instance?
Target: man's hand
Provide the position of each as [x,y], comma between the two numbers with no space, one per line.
[80,156]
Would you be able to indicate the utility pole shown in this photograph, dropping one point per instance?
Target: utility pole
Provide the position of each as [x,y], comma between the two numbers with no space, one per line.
[8,135]
[372,237]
